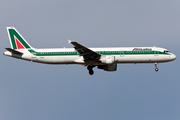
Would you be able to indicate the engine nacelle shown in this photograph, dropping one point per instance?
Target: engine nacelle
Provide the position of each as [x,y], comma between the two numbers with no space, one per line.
[107,59]
[112,67]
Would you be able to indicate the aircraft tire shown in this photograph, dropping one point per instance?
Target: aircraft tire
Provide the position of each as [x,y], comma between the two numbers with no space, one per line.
[91,72]
[156,69]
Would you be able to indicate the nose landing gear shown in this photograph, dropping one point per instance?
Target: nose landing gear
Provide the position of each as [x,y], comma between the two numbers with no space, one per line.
[156,69]
[90,68]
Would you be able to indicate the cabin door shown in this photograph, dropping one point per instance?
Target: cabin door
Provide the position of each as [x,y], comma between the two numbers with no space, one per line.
[156,53]
[122,54]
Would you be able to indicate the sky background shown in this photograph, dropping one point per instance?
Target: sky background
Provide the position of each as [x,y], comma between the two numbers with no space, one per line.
[33,91]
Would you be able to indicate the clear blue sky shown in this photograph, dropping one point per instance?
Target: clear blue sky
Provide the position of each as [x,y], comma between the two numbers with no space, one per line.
[32,91]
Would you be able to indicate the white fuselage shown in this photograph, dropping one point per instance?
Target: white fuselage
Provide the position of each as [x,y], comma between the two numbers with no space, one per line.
[71,56]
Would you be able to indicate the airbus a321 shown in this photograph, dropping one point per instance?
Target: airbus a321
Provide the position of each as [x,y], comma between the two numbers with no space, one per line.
[104,58]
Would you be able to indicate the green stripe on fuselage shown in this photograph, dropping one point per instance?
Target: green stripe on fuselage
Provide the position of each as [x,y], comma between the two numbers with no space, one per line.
[100,52]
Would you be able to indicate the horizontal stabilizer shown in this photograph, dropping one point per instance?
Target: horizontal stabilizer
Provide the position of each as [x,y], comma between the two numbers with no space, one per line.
[14,51]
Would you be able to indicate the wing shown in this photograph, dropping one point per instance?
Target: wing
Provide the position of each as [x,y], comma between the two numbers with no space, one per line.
[85,52]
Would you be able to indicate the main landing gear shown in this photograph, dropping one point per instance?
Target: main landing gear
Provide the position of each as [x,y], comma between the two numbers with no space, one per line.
[156,69]
[90,68]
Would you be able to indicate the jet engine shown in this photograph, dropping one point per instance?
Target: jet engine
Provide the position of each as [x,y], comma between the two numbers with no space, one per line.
[112,67]
[107,59]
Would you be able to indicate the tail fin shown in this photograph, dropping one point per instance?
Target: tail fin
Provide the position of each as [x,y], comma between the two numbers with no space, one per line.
[16,40]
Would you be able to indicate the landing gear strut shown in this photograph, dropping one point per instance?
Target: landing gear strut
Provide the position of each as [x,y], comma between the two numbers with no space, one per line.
[90,68]
[156,69]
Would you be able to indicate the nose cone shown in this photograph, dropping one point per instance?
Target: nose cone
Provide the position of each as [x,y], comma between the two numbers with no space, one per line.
[173,57]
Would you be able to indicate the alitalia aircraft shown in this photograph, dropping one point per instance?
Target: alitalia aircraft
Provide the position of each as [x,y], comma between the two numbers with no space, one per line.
[104,58]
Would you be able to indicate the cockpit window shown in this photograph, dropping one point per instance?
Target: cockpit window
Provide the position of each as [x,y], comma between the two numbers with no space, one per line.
[166,51]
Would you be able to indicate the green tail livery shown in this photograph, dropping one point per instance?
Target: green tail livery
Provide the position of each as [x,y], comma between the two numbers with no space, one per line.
[16,40]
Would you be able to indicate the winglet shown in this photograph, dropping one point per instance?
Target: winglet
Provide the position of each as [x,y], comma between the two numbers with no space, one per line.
[69,41]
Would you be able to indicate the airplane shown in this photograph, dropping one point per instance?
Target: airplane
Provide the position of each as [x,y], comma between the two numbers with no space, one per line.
[104,58]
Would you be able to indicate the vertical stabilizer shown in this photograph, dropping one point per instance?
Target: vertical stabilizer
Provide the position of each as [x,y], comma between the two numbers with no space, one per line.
[16,40]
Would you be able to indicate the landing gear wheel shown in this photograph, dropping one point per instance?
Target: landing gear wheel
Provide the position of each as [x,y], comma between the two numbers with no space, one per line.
[91,72]
[89,67]
[156,69]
